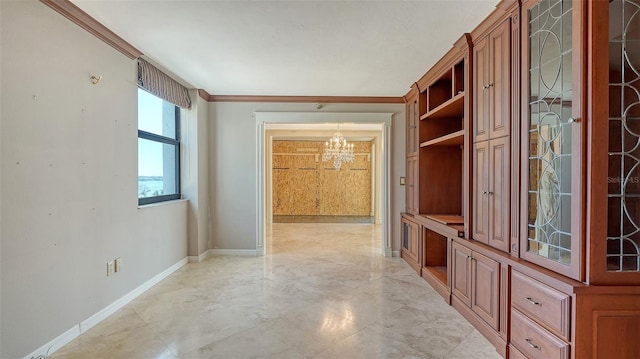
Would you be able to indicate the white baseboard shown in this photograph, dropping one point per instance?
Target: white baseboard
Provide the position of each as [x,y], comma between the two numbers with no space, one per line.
[395,254]
[56,343]
[197,259]
[88,323]
[234,252]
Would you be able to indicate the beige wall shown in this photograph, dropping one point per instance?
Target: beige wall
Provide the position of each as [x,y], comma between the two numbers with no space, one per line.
[195,172]
[233,171]
[69,180]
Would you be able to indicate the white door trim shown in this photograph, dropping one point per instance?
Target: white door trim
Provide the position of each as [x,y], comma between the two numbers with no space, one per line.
[322,121]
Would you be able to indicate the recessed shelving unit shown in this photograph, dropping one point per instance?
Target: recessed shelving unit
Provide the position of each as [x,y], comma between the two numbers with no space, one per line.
[442,140]
[442,160]
[434,259]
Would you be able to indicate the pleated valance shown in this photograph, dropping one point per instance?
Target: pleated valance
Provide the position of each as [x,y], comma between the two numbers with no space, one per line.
[160,84]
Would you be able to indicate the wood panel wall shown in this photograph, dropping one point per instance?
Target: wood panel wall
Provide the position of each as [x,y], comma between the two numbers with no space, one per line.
[305,185]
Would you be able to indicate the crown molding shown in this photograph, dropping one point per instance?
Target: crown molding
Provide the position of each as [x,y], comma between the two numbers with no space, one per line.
[302,99]
[204,95]
[67,9]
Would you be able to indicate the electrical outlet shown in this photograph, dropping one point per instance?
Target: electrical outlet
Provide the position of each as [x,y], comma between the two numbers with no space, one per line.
[118,265]
[110,268]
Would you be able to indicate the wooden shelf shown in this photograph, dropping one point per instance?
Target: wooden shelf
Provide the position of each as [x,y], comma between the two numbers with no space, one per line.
[452,139]
[437,278]
[440,272]
[447,219]
[451,108]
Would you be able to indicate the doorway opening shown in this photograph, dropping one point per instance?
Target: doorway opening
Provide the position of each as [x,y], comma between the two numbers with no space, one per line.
[272,127]
[308,187]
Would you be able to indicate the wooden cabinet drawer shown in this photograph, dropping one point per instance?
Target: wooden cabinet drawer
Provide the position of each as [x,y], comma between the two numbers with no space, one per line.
[534,341]
[547,306]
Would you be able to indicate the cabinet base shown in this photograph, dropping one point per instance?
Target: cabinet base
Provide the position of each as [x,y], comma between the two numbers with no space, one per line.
[410,261]
[492,336]
[434,281]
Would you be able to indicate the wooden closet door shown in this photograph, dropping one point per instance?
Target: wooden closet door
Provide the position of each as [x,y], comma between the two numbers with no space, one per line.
[482,77]
[481,192]
[499,193]
[461,273]
[411,185]
[485,294]
[500,80]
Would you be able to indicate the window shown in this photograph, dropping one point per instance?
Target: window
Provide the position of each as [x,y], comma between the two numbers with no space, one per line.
[158,149]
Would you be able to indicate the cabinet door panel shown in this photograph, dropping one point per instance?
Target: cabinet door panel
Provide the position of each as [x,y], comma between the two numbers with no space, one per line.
[499,180]
[410,241]
[409,128]
[411,185]
[414,249]
[412,118]
[485,293]
[619,189]
[500,81]
[480,192]
[552,170]
[461,273]
[481,73]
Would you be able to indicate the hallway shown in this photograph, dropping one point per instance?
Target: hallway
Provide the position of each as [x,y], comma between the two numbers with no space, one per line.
[322,291]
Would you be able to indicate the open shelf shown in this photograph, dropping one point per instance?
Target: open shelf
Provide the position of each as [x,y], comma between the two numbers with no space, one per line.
[440,272]
[452,139]
[447,219]
[453,107]
[435,259]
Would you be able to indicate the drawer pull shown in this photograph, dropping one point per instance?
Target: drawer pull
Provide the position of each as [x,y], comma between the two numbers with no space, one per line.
[530,300]
[530,342]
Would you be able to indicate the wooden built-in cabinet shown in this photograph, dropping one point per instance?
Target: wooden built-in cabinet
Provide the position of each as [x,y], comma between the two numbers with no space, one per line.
[552,117]
[410,251]
[492,83]
[413,116]
[443,132]
[435,258]
[476,283]
[437,113]
[492,98]
[491,188]
[411,182]
[528,167]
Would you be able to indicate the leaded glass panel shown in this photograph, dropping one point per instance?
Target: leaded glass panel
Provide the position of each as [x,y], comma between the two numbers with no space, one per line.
[623,232]
[550,94]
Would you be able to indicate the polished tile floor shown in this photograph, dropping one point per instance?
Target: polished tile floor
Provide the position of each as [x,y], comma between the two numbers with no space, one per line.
[322,291]
[322,219]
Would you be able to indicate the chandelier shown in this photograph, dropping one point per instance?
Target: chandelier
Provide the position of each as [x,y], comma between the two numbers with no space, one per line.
[338,149]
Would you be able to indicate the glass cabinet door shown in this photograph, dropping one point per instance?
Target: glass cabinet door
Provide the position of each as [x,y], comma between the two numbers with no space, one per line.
[623,220]
[551,135]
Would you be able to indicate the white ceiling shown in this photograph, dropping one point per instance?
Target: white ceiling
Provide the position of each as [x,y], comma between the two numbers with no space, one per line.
[303,48]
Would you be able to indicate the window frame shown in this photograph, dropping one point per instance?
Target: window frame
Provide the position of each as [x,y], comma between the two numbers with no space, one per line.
[168,141]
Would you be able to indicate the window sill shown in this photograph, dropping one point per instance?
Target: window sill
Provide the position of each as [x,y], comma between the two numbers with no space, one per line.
[164,203]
